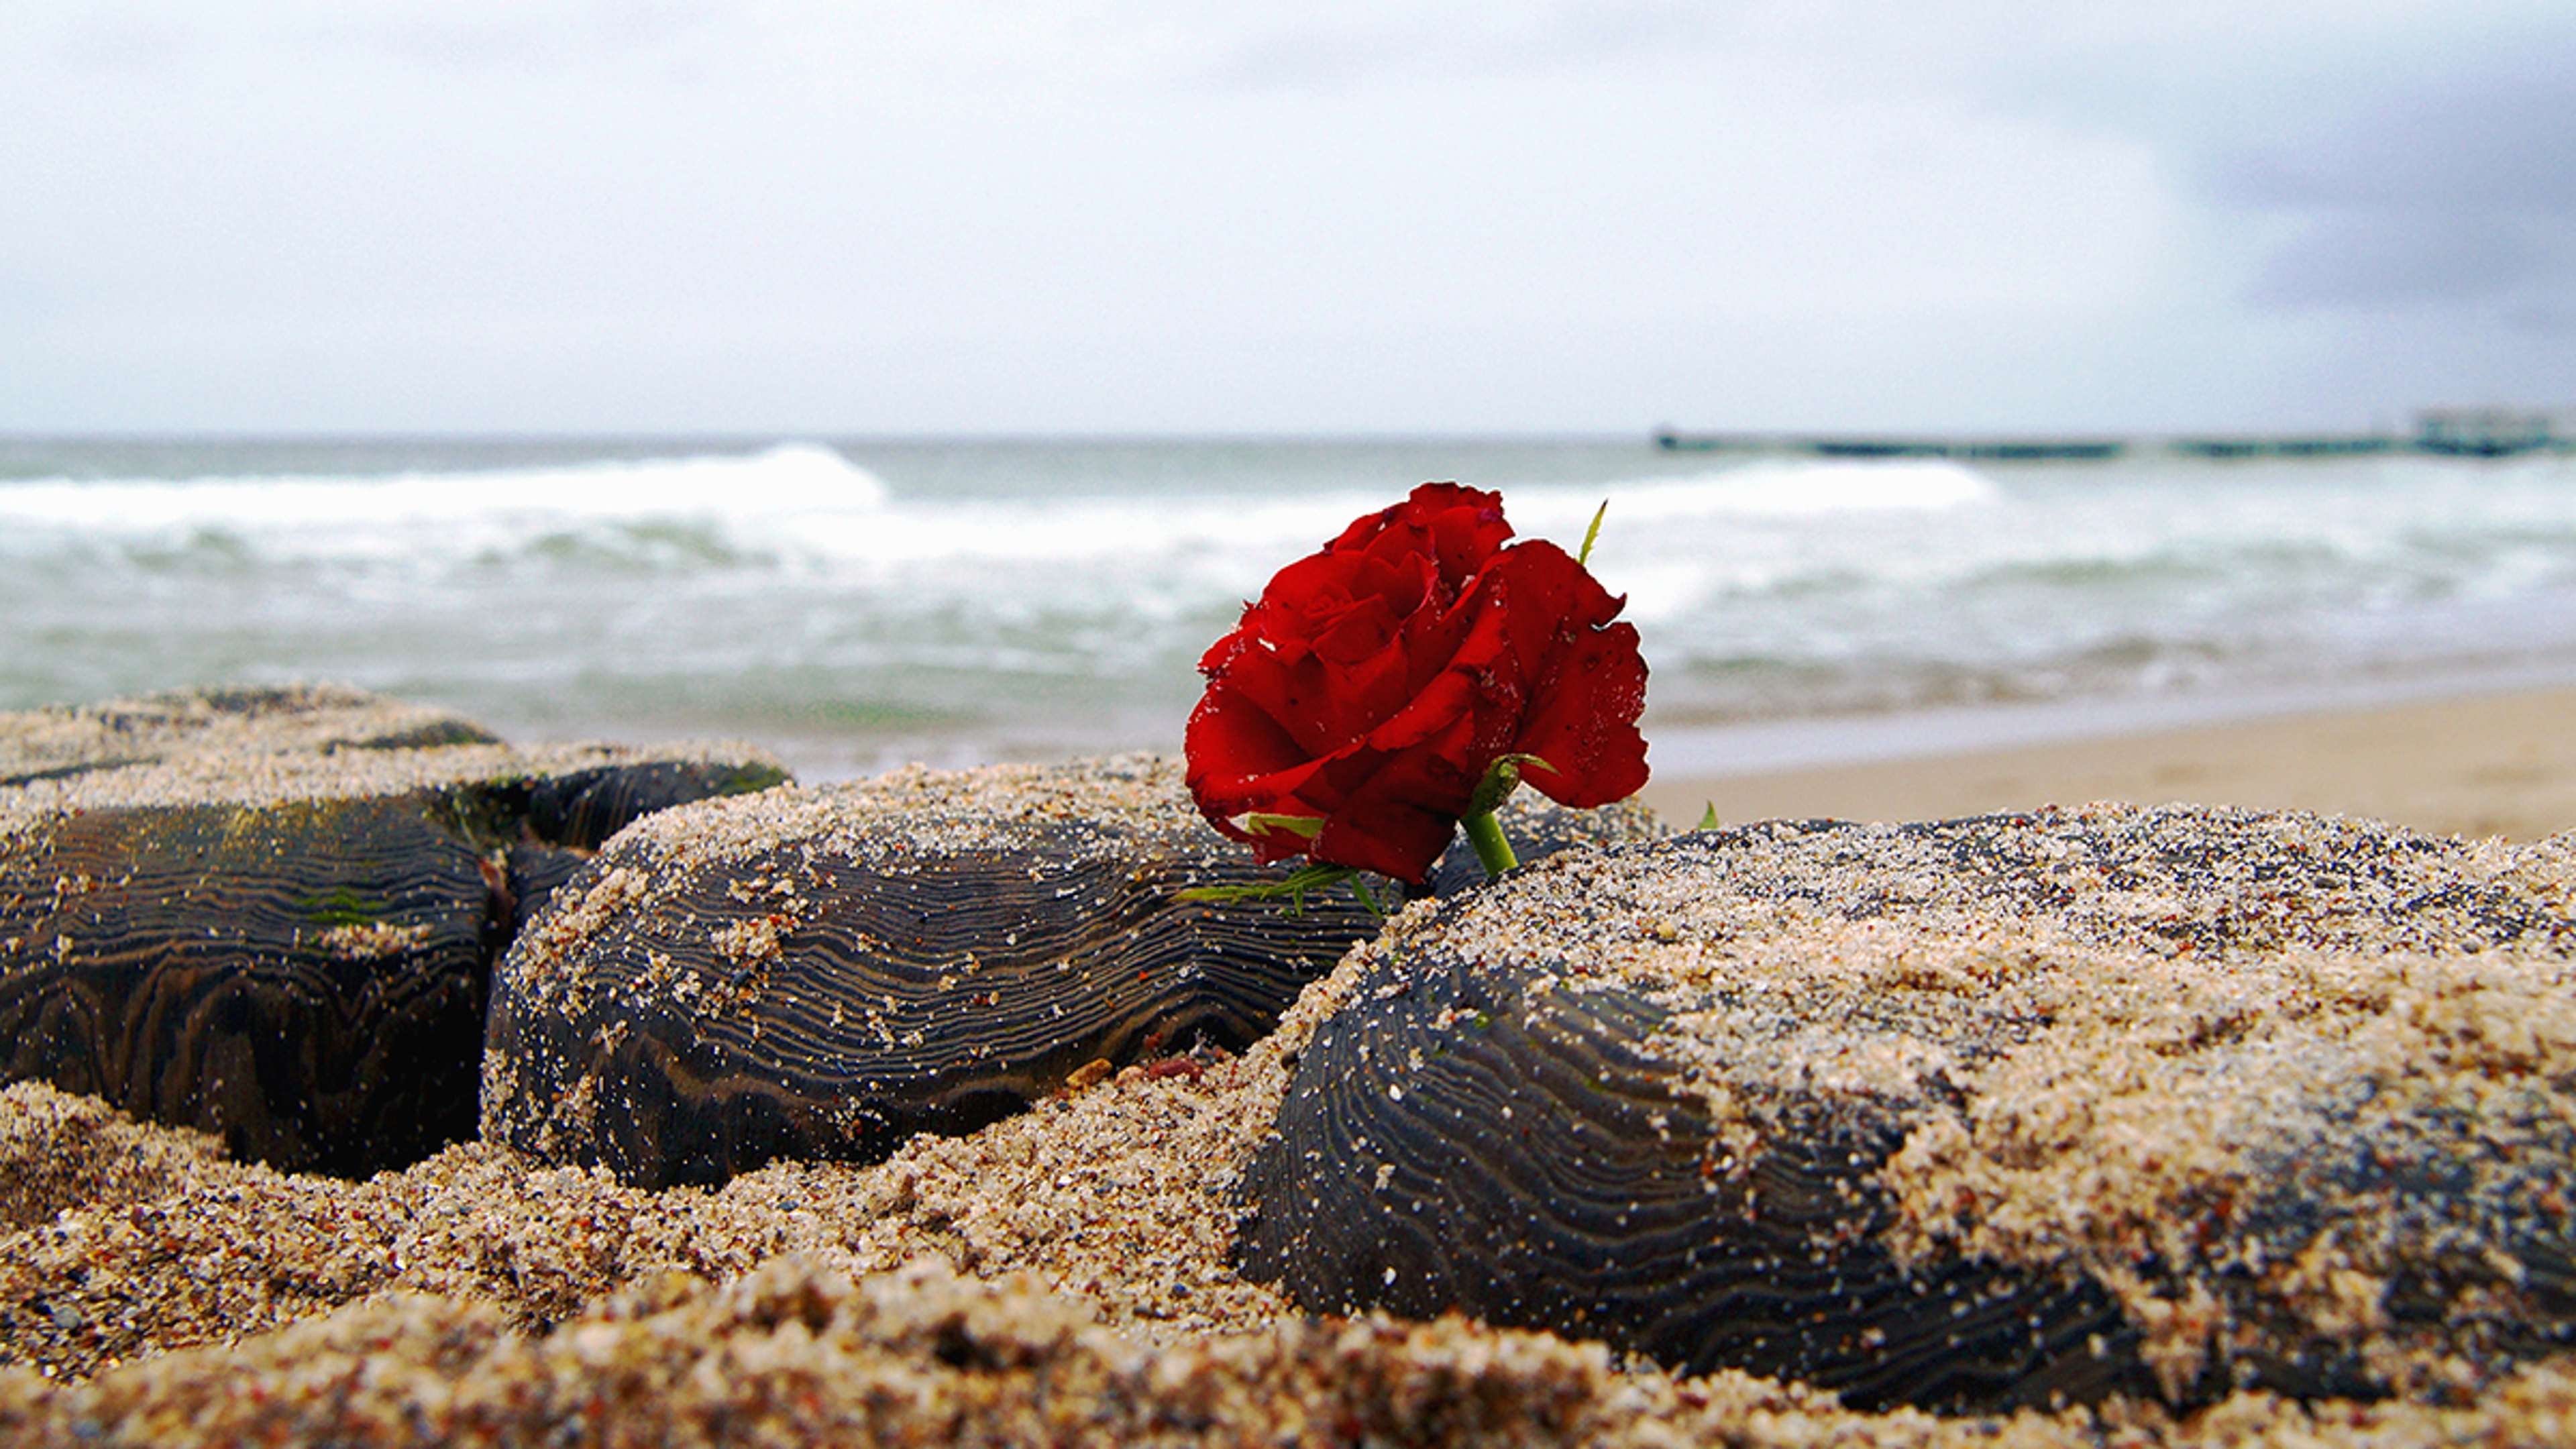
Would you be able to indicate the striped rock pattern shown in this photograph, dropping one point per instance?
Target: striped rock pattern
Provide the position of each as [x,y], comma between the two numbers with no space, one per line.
[305,981]
[823,973]
[291,948]
[2014,1110]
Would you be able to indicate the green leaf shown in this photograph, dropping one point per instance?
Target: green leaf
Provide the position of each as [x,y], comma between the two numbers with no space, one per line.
[1303,826]
[1368,898]
[1592,533]
[1708,817]
[1294,886]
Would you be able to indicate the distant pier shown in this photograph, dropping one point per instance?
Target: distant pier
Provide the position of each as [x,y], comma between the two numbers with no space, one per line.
[2330,445]
[2452,432]
[2013,450]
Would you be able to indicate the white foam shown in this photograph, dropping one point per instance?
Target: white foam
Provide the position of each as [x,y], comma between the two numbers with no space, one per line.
[1761,584]
[790,478]
[806,507]
[1784,488]
[1081,529]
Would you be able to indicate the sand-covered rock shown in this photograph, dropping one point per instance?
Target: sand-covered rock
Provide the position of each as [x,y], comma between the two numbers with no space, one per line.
[1069,1274]
[63,740]
[2012,1109]
[283,936]
[799,1353]
[822,973]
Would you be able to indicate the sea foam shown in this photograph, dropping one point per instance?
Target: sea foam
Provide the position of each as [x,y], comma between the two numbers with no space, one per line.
[979,590]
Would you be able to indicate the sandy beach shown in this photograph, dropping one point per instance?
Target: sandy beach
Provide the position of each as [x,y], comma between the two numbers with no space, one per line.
[1068,1275]
[2491,764]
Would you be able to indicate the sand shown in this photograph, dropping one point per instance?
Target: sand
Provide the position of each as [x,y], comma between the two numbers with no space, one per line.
[2497,764]
[1061,1277]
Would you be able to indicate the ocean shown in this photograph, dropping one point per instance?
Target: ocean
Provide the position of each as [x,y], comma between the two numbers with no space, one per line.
[855,604]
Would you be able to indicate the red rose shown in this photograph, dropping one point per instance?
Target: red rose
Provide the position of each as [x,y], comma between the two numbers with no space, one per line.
[1377,681]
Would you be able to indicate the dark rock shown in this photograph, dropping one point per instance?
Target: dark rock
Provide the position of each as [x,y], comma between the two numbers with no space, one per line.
[2001,1111]
[823,973]
[286,940]
[304,981]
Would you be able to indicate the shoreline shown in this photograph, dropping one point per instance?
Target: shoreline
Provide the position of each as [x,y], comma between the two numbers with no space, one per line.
[2474,758]
[2474,764]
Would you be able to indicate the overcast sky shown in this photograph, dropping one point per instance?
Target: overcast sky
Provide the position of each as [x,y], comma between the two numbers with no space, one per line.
[1168,216]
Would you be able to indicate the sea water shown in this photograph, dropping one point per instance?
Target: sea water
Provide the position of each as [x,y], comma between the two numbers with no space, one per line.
[855,604]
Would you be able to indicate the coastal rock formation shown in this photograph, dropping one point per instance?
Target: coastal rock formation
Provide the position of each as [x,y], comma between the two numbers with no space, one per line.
[822,973]
[154,1290]
[1999,1111]
[284,938]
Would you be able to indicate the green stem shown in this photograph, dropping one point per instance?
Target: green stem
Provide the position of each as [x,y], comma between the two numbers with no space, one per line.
[1492,850]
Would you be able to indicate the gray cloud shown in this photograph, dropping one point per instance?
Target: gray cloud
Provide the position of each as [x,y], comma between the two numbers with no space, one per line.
[2462,192]
[2399,255]
[1279,214]
[2499,139]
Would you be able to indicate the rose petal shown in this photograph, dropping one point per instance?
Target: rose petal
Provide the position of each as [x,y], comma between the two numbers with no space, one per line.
[1455,690]
[1403,814]
[1231,737]
[1584,722]
[1375,682]
[1457,528]
[1584,677]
